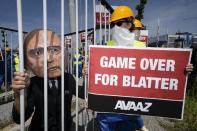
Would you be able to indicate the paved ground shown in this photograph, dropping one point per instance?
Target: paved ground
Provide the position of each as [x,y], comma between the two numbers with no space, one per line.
[152,123]
[5,111]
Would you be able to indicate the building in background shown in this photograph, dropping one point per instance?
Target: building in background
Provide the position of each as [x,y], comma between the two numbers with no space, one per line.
[185,39]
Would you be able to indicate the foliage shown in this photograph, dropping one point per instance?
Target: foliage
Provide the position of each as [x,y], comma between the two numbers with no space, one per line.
[140,9]
[189,122]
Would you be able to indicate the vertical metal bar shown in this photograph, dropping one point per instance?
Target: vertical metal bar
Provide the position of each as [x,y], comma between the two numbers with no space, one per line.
[86,39]
[109,31]
[86,42]
[45,66]
[105,24]
[94,11]
[11,56]
[80,19]
[20,41]
[168,44]
[94,14]
[72,15]
[62,62]
[72,27]
[77,83]
[100,31]
[5,67]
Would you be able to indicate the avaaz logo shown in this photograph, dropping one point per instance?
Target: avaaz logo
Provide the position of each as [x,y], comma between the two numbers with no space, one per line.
[131,105]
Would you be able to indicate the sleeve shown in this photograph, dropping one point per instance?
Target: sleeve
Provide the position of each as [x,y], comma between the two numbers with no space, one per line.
[29,108]
[81,89]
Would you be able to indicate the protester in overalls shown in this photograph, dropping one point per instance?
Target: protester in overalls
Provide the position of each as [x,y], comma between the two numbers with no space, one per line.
[122,35]
[122,20]
[137,27]
[2,71]
[9,66]
[16,62]
[80,63]
[6,61]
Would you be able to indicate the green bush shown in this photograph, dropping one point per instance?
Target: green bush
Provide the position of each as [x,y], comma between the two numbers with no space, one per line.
[189,122]
[193,92]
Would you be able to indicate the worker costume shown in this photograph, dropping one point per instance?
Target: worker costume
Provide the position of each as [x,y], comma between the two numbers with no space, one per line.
[120,122]
[80,64]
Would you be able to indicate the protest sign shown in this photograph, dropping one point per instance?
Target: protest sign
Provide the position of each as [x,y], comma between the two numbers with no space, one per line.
[148,81]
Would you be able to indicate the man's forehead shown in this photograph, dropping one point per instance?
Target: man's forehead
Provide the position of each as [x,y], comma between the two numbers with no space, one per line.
[41,45]
[38,38]
[40,35]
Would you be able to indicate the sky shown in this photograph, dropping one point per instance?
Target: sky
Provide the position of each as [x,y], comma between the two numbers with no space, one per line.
[173,15]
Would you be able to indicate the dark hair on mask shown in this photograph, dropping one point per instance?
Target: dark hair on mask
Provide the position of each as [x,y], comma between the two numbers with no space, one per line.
[28,37]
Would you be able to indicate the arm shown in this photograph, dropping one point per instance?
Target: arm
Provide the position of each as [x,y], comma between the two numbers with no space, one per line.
[21,81]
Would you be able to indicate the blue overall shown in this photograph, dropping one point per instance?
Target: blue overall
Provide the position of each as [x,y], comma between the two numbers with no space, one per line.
[80,64]
[118,122]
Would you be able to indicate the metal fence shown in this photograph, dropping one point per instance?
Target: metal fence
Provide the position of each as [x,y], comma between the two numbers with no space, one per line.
[102,39]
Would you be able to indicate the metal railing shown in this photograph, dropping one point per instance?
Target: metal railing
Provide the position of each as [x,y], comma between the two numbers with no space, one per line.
[21,57]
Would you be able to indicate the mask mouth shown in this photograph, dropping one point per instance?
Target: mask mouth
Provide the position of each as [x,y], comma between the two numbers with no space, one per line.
[53,68]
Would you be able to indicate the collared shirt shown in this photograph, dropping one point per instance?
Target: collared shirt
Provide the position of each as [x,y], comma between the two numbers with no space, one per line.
[50,83]
[35,103]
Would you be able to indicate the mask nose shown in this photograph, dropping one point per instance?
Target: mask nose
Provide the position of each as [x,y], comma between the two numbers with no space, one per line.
[49,58]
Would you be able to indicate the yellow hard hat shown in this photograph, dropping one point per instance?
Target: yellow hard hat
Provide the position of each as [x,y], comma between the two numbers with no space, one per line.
[121,12]
[137,23]
[8,49]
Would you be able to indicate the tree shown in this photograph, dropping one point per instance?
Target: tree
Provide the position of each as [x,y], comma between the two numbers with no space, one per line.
[140,8]
[4,40]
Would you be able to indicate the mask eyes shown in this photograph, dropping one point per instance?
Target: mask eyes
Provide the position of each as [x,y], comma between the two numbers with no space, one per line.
[54,49]
[37,52]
